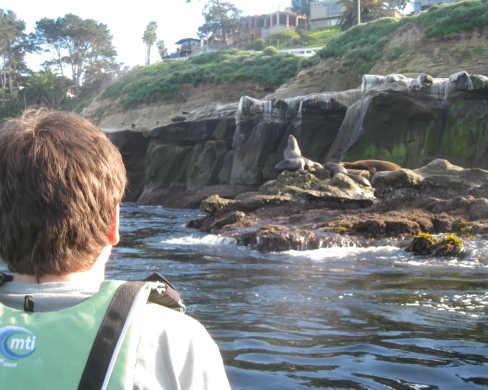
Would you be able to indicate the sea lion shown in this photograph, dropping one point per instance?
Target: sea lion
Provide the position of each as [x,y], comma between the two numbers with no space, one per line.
[291,164]
[372,166]
[293,151]
[339,168]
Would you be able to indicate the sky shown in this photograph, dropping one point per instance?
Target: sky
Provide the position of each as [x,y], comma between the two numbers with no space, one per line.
[127,20]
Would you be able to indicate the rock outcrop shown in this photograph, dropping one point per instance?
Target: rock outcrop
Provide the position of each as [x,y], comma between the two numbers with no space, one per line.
[303,211]
[133,147]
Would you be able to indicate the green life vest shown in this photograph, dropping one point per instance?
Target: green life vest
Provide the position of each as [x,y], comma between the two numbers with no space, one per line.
[49,350]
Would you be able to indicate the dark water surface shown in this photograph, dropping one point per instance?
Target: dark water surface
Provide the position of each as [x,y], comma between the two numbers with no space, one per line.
[339,318]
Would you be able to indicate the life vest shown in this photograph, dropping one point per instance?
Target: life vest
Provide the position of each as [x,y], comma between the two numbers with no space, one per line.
[85,346]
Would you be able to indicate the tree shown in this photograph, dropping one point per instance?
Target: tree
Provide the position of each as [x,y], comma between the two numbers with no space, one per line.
[400,4]
[149,38]
[220,20]
[44,88]
[50,35]
[301,7]
[370,10]
[84,45]
[14,44]
[163,51]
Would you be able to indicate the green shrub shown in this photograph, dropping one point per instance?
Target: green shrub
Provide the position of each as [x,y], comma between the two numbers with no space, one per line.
[269,51]
[479,51]
[393,53]
[454,17]
[361,45]
[308,63]
[11,110]
[257,45]
[284,34]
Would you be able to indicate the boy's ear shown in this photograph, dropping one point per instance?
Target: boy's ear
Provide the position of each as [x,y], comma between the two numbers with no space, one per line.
[114,236]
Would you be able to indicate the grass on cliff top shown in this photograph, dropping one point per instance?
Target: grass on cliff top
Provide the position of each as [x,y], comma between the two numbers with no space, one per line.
[291,39]
[362,45]
[163,80]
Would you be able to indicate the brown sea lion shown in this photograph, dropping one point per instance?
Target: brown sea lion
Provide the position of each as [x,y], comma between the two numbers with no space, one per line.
[338,168]
[293,151]
[372,166]
[291,164]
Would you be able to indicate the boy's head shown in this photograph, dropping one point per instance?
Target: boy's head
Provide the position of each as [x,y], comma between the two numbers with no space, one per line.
[60,181]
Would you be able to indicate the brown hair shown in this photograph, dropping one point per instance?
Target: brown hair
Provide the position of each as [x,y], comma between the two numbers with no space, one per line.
[60,181]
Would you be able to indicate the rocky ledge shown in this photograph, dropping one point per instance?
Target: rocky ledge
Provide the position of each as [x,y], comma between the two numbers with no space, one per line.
[311,210]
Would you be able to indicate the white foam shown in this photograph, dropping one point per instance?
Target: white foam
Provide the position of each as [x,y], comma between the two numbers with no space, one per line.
[207,240]
[338,252]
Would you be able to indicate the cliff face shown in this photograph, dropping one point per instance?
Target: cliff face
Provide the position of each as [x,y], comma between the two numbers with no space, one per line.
[112,116]
[414,121]
[230,149]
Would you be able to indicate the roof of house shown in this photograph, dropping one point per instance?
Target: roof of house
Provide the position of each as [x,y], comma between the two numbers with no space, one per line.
[186,40]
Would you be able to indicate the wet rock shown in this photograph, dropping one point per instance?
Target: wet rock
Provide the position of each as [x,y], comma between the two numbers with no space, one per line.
[276,238]
[215,203]
[441,224]
[478,210]
[422,244]
[230,219]
[256,201]
[425,244]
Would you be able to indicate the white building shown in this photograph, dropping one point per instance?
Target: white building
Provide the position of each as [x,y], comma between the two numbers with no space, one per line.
[324,13]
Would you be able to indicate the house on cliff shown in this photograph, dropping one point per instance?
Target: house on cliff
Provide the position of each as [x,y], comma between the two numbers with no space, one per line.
[262,26]
[187,46]
[326,13]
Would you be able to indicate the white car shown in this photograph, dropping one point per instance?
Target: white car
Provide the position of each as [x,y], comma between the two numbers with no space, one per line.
[303,53]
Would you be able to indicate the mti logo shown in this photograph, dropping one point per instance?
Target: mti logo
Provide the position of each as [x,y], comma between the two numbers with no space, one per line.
[16,343]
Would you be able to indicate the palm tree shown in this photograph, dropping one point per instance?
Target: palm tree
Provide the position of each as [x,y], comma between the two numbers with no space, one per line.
[370,10]
[149,38]
[43,89]
[163,51]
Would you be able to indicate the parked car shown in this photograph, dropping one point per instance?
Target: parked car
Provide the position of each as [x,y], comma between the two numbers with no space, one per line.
[302,53]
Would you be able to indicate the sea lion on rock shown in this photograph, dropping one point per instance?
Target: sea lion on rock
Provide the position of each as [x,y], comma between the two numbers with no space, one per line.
[372,166]
[291,164]
[339,168]
[293,151]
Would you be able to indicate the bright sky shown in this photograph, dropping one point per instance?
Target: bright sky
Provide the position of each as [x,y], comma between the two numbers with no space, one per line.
[127,20]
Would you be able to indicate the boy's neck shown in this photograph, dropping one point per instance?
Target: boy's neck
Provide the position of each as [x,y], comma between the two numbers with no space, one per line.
[96,274]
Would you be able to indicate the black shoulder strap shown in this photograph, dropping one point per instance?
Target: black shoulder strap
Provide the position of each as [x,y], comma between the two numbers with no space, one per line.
[108,335]
[4,278]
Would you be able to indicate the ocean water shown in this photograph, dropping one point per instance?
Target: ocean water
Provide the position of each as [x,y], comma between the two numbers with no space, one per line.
[336,318]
